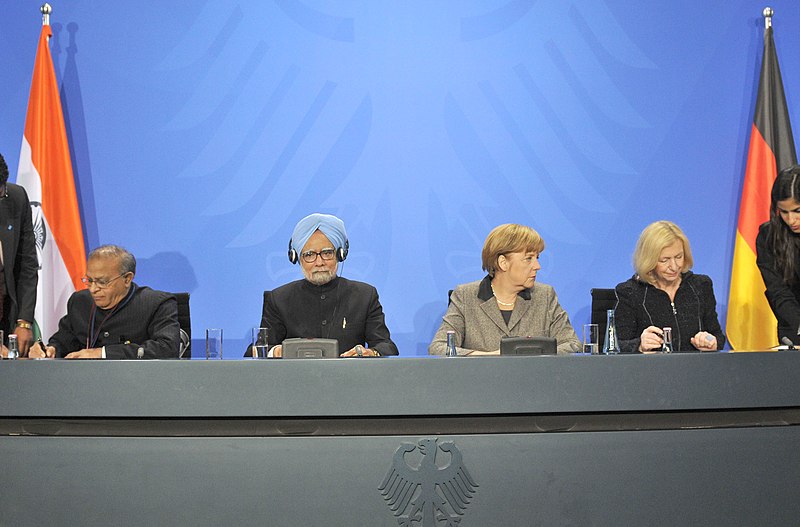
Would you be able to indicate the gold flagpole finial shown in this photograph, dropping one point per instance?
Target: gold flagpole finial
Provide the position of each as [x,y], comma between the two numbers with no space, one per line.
[46,9]
[768,12]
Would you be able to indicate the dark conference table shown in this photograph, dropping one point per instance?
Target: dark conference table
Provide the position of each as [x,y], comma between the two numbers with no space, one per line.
[682,439]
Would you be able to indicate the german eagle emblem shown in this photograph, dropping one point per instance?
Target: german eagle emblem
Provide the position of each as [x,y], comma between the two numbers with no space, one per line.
[424,493]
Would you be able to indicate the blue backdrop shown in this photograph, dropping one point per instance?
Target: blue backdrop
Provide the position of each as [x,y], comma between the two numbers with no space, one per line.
[202,131]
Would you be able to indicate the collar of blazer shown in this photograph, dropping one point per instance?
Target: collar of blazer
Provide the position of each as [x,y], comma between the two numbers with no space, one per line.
[490,308]
[485,290]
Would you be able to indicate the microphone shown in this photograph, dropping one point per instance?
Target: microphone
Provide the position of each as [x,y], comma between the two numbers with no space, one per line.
[788,342]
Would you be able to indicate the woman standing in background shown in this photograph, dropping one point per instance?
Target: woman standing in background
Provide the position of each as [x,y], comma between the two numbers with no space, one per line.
[778,253]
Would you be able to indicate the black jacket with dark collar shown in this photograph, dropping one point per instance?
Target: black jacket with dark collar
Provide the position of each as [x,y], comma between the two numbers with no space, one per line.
[145,318]
[642,305]
[342,309]
[783,298]
[21,265]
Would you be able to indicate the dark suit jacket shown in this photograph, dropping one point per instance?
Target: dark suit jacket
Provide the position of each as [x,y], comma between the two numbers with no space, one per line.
[642,305]
[784,299]
[145,318]
[21,265]
[342,309]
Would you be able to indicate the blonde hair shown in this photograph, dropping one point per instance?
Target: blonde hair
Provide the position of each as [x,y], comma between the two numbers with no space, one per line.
[509,238]
[654,238]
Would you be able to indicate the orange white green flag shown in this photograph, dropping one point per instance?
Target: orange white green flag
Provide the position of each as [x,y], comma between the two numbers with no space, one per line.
[45,170]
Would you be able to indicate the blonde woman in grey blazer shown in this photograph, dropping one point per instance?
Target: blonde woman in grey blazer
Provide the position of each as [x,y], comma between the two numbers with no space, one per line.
[507,302]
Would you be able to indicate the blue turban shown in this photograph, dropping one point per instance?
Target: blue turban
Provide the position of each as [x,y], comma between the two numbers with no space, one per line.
[331,226]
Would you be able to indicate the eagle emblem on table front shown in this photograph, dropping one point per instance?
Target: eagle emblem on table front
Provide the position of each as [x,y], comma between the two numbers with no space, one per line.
[424,493]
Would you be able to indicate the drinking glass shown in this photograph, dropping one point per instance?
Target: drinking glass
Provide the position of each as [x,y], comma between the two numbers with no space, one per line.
[667,346]
[260,343]
[213,343]
[591,339]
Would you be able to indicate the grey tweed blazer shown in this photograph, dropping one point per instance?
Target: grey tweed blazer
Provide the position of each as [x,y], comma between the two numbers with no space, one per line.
[474,316]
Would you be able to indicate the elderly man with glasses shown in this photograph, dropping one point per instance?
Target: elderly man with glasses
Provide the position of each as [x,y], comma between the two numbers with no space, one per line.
[114,318]
[324,305]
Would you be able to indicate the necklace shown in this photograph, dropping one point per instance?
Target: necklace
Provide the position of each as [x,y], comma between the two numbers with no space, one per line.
[507,304]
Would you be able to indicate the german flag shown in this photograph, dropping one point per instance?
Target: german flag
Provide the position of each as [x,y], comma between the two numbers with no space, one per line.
[751,325]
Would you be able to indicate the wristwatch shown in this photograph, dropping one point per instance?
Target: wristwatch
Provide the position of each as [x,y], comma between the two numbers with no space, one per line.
[24,324]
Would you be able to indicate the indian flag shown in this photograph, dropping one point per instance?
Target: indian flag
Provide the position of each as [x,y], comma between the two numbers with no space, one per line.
[45,170]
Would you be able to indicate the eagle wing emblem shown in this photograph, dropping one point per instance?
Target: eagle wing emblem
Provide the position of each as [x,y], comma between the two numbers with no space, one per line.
[428,489]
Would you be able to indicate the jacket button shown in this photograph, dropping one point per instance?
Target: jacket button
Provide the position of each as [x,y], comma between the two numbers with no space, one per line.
[324,322]
[105,334]
[322,297]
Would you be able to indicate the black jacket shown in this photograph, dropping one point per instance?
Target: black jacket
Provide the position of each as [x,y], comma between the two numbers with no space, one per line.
[21,265]
[784,299]
[342,309]
[642,305]
[145,318]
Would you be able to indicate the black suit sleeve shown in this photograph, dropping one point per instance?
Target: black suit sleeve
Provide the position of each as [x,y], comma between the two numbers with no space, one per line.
[163,335]
[780,296]
[270,319]
[276,330]
[26,264]
[376,331]
[709,310]
[65,340]
[628,330]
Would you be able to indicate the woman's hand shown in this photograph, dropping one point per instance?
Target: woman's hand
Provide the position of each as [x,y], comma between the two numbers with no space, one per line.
[651,340]
[705,341]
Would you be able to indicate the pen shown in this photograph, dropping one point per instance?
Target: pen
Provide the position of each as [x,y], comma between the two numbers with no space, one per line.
[41,345]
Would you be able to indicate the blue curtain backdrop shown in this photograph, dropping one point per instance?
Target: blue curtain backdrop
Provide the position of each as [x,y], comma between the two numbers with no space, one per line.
[202,131]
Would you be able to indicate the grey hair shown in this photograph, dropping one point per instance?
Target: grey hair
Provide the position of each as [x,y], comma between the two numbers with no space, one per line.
[127,262]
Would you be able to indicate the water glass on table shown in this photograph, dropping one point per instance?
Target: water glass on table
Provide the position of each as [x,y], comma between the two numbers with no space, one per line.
[260,343]
[213,343]
[591,339]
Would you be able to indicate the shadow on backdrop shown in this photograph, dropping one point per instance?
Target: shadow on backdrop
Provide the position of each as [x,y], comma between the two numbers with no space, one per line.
[75,122]
[166,271]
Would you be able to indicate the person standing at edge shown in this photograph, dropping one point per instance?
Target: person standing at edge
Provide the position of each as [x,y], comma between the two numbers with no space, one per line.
[778,253]
[19,265]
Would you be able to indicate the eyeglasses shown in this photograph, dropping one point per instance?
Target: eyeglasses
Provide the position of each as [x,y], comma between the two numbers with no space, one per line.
[100,283]
[311,256]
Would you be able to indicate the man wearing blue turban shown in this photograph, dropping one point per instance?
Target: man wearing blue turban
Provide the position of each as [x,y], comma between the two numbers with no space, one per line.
[324,305]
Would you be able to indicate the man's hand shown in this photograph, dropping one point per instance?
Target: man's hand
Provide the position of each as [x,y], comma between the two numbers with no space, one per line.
[24,340]
[92,353]
[359,351]
[36,352]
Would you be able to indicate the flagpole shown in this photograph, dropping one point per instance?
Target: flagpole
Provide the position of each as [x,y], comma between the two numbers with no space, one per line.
[46,9]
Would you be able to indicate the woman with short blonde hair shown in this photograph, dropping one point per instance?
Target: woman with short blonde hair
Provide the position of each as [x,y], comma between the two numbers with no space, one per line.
[654,238]
[508,302]
[509,238]
[664,293]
